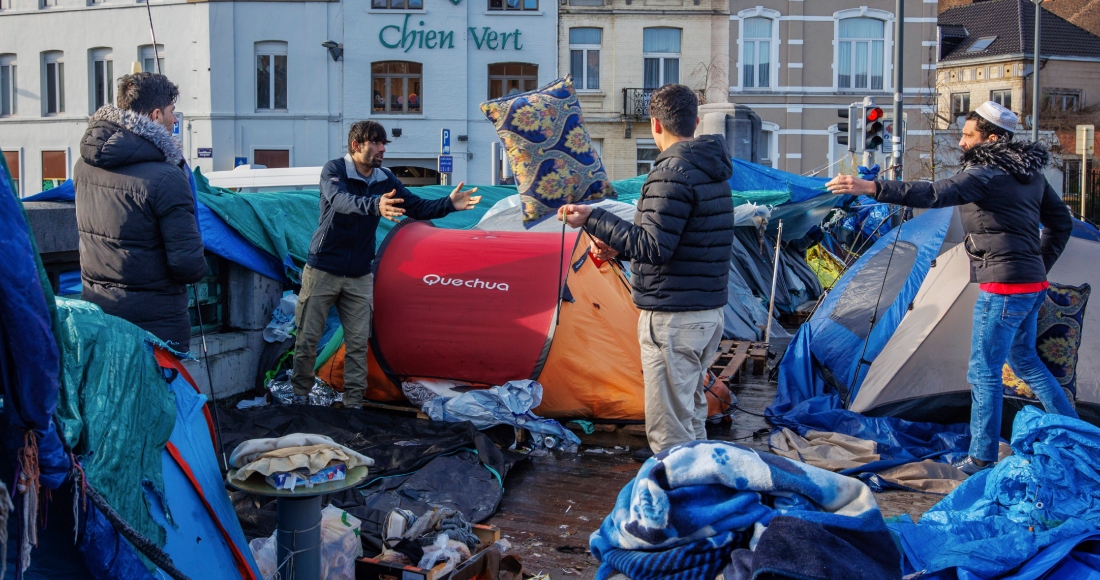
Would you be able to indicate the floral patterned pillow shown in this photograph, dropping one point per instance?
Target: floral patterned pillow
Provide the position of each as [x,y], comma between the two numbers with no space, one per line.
[549,149]
[1058,337]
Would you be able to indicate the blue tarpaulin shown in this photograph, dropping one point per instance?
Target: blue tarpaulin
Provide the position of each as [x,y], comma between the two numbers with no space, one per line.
[748,176]
[1034,515]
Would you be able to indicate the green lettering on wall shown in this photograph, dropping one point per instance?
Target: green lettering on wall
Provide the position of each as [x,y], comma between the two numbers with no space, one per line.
[504,39]
[430,41]
[517,39]
[382,34]
[447,37]
[477,41]
[491,40]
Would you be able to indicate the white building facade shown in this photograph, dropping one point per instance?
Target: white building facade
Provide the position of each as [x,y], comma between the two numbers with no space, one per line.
[257,86]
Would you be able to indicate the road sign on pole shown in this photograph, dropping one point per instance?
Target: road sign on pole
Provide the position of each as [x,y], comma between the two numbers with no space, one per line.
[446,164]
[445,142]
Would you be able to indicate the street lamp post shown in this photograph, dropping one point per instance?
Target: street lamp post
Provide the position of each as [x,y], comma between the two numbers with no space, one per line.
[1035,75]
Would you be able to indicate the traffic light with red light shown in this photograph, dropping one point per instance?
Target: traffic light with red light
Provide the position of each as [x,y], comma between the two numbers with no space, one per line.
[873,128]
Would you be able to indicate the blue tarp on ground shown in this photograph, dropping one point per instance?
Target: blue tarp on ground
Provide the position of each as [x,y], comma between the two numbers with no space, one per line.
[823,362]
[1034,515]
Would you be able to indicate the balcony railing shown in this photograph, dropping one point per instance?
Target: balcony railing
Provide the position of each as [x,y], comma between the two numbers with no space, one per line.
[636,103]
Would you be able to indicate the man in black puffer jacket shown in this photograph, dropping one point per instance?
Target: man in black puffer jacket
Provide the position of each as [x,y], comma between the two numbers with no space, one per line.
[679,248]
[135,212]
[1002,198]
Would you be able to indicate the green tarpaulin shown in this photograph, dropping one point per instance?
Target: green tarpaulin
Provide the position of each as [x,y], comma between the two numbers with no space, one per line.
[279,223]
[108,371]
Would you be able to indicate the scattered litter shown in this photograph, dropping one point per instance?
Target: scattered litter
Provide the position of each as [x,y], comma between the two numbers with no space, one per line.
[583,518]
[564,526]
[572,549]
[249,403]
[619,447]
[596,450]
[587,426]
[568,508]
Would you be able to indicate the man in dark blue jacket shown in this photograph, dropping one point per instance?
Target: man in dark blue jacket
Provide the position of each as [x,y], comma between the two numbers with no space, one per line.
[1002,198]
[356,191]
[679,248]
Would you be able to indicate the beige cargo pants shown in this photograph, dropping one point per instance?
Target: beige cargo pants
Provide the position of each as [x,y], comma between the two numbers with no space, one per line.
[353,298]
[675,349]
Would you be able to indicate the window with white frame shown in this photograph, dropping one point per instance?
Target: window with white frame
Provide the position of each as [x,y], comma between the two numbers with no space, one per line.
[7,85]
[513,4]
[860,52]
[102,78]
[647,155]
[150,59]
[661,53]
[1002,97]
[397,4]
[53,82]
[769,145]
[584,57]
[397,87]
[1061,99]
[271,76]
[510,78]
[960,106]
[756,53]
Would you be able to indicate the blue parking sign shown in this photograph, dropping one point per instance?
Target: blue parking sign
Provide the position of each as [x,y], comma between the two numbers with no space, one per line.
[446,164]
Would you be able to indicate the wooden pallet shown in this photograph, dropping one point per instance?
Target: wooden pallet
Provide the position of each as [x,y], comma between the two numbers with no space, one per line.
[729,361]
[733,357]
[375,569]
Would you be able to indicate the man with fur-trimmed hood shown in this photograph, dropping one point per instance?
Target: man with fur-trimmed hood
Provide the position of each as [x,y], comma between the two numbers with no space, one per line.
[135,211]
[1003,198]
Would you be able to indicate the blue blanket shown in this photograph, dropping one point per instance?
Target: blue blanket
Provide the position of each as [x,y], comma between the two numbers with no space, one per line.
[1036,511]
[692,505]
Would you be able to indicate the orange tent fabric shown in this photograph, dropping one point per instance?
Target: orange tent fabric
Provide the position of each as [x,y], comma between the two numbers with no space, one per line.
[379,387]
[593,369]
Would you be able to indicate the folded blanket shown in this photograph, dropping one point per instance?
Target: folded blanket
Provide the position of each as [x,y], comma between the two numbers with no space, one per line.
[690,506]
[292,452]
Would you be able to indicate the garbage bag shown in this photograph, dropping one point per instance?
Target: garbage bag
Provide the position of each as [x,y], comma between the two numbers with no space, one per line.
[340,545]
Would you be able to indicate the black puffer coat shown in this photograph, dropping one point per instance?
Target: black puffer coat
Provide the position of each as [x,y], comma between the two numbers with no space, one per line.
[139,241]
[681,241]
[1002,198]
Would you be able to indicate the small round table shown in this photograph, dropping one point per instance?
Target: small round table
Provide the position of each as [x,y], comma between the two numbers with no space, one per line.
[298,520]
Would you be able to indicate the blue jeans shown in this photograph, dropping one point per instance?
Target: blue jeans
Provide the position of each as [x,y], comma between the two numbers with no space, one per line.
[1004,330]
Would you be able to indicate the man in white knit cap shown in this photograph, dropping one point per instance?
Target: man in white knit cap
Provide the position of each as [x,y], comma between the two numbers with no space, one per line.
[1002,198]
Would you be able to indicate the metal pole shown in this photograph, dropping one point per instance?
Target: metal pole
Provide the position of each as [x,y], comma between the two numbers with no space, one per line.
[1035,75]
[298,538]
[153,33]
[1084,183]
[775,275]
[899,88]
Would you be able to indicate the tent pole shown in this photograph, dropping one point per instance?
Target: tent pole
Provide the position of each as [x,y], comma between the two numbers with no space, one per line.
[775,275]
[209,376]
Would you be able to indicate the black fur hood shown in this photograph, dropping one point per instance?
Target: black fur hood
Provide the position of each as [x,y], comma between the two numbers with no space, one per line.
[1023,160]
